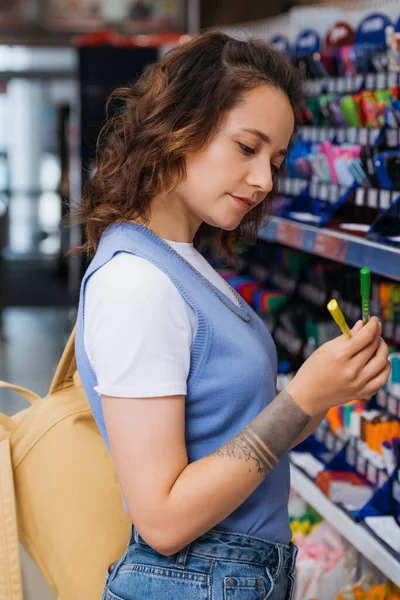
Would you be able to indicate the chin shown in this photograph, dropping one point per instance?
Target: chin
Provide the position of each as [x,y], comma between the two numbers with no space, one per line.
[227,224]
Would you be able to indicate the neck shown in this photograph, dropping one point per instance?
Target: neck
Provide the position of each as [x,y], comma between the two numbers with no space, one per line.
[170,221]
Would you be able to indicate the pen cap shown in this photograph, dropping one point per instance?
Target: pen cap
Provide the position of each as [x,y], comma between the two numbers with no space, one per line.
[365,278]
[336,313]
[395,369]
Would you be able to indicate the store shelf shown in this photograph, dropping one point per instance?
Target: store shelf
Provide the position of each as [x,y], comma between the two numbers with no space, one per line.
[339,247]
[352,84]
[331,192]
[350,135]
[359,537]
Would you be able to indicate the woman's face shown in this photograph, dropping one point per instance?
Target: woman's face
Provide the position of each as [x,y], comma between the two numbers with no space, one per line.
[234,173]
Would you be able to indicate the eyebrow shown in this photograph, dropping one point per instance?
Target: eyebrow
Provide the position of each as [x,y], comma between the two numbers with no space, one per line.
[265,138]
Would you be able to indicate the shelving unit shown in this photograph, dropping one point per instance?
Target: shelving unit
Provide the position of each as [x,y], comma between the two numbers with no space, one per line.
[359,537]
[337,246]
[352,84]
[331,192]
[349,135]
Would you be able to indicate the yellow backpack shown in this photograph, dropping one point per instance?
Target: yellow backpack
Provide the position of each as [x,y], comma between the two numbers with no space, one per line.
[59,493]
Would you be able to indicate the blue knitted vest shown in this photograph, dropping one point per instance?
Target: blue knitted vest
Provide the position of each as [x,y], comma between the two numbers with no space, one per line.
[232,375]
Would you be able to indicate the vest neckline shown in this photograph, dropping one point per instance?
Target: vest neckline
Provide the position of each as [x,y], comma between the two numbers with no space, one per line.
[240,311]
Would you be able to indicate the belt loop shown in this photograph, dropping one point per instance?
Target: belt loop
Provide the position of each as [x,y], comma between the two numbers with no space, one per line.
[295,551]
[280,560]
[132,535]
[182,556]
[136,535]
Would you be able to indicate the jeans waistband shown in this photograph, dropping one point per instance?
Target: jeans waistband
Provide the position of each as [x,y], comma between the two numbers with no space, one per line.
[223,545]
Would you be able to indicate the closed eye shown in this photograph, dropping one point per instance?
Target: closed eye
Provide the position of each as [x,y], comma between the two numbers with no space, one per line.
[246,149]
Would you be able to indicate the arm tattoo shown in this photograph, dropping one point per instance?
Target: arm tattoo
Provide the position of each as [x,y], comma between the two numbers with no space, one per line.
[269,436]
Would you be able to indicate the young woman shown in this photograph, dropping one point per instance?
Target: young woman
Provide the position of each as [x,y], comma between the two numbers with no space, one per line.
[179,371]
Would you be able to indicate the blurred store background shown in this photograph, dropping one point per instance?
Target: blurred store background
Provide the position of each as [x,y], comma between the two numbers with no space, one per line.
[59,60]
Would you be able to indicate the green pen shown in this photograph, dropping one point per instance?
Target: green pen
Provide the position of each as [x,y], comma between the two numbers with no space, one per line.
[365,278]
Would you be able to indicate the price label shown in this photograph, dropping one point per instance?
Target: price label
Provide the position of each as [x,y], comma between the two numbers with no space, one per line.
[341,85]
[290,234]
[392,137]
[323,191]
[373,134]
[329,441]
[313,134]
[333,193]
[381,81]
[341,135]
[382,398]
[314,189]
[359,200]
[392,405]
[330,247]
[319,434]
[351,455]
[350,85]
[352,135]
[372,198]
[372,474]
[370,81]
[382,478]
[363,136]
[392,80]
[361,464]
[384,199]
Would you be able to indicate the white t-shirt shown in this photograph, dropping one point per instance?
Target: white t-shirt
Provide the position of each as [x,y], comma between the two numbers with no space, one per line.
[138,330]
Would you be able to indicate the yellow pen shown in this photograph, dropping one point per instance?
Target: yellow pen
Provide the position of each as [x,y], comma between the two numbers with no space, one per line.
[338,317]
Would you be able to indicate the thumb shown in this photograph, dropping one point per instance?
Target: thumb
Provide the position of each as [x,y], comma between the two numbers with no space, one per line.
[357,327]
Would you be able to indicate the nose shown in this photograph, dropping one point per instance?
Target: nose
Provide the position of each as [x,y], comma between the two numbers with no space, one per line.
[260,176]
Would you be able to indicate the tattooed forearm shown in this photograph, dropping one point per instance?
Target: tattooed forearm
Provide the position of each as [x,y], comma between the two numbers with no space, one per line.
[243,446]
[269,436]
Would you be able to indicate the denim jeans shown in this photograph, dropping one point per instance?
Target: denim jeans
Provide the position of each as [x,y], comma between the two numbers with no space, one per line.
[216,566]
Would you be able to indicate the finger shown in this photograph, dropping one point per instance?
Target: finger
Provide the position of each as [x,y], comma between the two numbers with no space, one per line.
[368,333]
[363,357]
[345,338]
[357,327]
[378,362]
[375,384]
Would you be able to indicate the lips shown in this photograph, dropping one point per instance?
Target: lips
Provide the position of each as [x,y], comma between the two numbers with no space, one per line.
[248,201]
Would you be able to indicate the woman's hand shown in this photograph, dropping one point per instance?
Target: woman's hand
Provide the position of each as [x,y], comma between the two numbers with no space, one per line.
[342,370]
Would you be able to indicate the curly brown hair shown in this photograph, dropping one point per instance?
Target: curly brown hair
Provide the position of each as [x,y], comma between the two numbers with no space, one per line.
[173,109]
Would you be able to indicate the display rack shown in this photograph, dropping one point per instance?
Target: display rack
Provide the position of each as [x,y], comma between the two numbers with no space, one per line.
[352,84]
[350,135]
[331,192]
[337,246]
[355,533]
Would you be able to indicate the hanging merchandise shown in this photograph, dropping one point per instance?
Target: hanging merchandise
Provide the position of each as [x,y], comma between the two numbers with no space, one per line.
[154,15]
[340,35]
[281,43]
[75,15]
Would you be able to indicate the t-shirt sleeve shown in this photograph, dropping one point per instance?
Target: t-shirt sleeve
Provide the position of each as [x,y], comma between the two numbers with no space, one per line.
[138,334]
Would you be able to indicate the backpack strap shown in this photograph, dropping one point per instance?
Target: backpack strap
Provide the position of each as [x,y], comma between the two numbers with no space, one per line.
[64,375]
[27,394]
[10,565]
